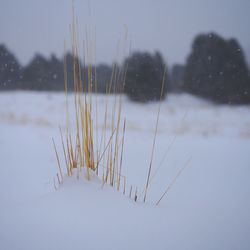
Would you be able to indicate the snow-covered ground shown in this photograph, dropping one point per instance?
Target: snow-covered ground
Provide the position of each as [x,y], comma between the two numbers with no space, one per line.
[208,207]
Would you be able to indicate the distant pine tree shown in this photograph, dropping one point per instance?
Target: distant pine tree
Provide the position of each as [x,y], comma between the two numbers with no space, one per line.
[9,70]
[216,69]
[144,76]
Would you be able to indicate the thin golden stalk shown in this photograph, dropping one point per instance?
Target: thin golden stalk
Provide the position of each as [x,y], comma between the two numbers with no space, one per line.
[58,178]
[164,156]
[130,192]
[70,160]
[108,144]
[124,186]
[54,182]
[174,180]
[66,87]
[135,197]
[64,153]
[120,168]
[58,161]
[154,140]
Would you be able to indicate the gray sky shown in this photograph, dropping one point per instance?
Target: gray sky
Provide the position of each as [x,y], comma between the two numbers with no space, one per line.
[29,26]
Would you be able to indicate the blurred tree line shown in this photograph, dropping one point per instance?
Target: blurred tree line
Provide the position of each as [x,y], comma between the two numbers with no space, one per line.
[44,74]
[215,69]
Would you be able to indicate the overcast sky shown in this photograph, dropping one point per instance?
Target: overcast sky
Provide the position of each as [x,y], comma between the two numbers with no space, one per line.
[30,26]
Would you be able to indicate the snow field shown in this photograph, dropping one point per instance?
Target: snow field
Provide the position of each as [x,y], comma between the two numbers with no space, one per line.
[207,207]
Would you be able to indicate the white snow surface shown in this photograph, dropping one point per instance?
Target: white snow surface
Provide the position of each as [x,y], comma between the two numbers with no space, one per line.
[207,208]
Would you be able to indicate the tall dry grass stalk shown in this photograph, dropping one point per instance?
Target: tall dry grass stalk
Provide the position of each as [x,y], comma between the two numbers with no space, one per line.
[173,181]
[163,159]
[83,146]
[155,133]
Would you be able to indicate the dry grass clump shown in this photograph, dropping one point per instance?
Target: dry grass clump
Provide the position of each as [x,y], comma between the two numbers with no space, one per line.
[82,146]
